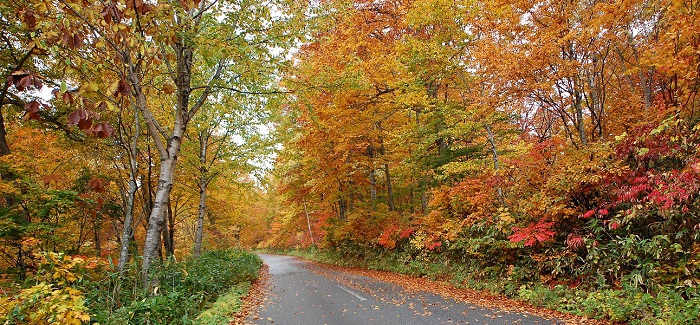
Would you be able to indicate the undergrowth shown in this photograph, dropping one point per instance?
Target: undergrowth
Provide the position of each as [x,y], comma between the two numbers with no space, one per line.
[204,290]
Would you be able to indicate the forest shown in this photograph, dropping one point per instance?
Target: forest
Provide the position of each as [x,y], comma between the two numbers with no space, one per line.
[546,151]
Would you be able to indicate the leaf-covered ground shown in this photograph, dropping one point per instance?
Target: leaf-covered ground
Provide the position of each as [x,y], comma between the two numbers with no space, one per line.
[399,290]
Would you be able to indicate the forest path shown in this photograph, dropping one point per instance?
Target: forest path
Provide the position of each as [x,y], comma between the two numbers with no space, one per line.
[306,293]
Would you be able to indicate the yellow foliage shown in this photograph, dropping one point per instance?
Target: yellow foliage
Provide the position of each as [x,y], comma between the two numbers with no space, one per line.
[53,300]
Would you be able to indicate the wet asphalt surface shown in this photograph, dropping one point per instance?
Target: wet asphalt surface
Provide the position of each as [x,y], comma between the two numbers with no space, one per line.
[298,296]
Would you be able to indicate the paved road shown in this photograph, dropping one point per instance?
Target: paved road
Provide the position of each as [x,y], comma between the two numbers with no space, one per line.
[304,294]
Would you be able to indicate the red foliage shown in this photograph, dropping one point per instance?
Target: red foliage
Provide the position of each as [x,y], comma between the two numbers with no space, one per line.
[433,245]
[574,241]
[535,232]
[406,233]
[386,238]
[97,185]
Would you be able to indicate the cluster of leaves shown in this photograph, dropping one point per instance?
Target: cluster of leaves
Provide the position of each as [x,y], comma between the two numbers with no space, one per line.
[55,298]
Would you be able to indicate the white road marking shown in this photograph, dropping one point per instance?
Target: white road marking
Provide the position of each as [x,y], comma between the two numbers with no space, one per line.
[352,293]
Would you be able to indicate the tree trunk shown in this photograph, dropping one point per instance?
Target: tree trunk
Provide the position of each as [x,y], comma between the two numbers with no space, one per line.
[203,182]
[169,231]
[96,232]
[494,154]
[4,148]
[157,217]
[389,189]
[199,236]
[308,224]
[342,210]
[168,155]
[580,126]
[373,185]
[127,231]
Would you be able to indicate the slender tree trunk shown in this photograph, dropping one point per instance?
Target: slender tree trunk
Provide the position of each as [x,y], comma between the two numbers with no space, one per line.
[199,236]
[308,224]
[96,231]
[422,187]
[342,209]
[169,231]
[580,125]
[373,185]
[389,189]
[4,148]
[494,154]
[372,175]
[127,231]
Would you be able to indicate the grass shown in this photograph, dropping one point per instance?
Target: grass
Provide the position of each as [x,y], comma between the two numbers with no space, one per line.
[225,307]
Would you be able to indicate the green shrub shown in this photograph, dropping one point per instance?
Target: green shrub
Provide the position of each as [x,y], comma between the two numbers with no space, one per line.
[185,289]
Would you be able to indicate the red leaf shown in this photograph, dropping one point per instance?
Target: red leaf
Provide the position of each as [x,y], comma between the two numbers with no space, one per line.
[37,83]
[123,88]
[25,83]
[97,185]
[614,225]
[103,130]
[76,116]
[68,98]
[406,233]
[48,178]
[112,13]
[574,241]
[85,124]
[32,109]
[29,18]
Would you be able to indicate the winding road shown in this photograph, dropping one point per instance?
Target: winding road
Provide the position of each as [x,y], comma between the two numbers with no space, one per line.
[304,293]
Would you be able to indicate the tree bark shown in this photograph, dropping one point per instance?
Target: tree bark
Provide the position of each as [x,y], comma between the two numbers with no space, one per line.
[202,194]
[4,148]
[157,217]
[127,231]
[494,155]
[96,231]
[342,209]
[308,224]
[169,231]
[389,189]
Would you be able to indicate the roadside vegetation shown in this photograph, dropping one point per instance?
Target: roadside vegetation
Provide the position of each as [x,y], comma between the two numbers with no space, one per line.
[74,290]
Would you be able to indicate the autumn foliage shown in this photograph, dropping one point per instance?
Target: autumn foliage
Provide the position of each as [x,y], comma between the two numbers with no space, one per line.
[559,137]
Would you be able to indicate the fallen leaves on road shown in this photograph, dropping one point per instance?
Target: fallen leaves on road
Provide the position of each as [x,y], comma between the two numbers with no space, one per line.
[256,295]
[415,284]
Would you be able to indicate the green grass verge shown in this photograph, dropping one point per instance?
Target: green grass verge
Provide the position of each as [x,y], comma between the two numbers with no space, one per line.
[224,308]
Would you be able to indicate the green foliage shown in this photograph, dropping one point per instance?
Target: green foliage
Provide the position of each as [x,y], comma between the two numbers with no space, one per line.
[186,288]
[668,306]
[224,307]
